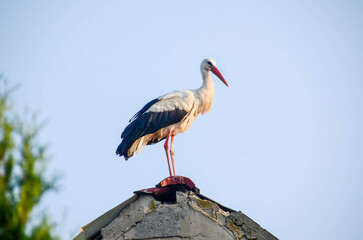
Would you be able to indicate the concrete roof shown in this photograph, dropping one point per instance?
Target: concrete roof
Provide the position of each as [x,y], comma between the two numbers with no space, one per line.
[240,225]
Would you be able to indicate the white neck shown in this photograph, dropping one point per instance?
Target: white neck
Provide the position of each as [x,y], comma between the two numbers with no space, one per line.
[205,93]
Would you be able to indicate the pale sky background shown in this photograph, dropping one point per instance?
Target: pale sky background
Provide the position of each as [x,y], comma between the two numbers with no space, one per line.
[283,144]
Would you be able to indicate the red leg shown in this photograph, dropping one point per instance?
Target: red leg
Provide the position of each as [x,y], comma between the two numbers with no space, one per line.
[166,147]
[172,154]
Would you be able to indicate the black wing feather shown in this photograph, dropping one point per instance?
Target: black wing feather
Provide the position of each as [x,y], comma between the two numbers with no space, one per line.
[145,123]
[144,109]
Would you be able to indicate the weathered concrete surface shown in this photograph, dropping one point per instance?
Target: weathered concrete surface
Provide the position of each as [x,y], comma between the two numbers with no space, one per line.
[189,218]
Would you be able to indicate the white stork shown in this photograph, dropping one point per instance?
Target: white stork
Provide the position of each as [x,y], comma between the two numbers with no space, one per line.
[169,115]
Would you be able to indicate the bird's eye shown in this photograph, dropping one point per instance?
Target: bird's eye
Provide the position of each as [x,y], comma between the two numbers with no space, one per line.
[210,63]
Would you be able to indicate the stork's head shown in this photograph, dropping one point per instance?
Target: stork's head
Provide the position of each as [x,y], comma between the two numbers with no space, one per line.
[209,64]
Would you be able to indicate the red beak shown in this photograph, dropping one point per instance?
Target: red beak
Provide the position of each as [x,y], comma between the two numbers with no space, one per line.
[219,75]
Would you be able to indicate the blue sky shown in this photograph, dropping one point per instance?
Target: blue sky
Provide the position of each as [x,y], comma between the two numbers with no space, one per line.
[283,143]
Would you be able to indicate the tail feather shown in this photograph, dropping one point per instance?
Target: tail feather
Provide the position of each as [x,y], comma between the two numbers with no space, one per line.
[120,151]
[123,149]
[130,136]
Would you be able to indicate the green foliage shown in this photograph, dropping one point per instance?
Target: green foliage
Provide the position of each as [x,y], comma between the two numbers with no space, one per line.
[22,180]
